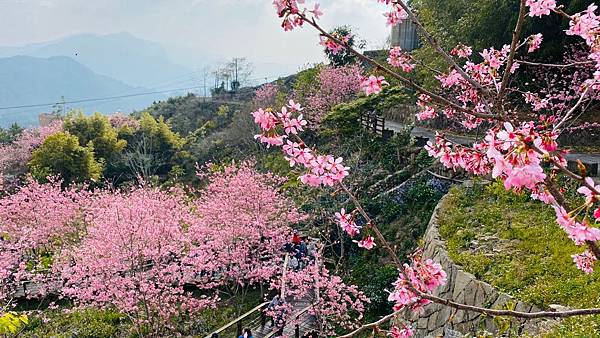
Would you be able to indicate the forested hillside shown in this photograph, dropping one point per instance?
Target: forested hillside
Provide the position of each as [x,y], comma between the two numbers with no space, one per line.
[448,191]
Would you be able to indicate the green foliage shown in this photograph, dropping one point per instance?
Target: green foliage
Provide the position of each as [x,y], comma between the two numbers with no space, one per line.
[10,134]
[305,83]
[96,132]
[374,280]
[343,119]
[344,57]
[187,113]
[11,322]
[514,243]
[61,154]
[489,23]
[86,323]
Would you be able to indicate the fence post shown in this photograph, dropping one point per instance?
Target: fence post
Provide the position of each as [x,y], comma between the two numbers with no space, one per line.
[297,331]
[239,328]
[263,319]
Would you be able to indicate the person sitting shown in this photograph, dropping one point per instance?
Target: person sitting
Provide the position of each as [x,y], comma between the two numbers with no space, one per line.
[303,249]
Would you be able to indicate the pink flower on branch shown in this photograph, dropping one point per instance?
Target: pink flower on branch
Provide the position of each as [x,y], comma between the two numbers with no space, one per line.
[373,84]
[321,169]
[585,261]
[534,42]
[346,221]
[400,60]
[404,332]
[590,196]
[540,7]
[366,243]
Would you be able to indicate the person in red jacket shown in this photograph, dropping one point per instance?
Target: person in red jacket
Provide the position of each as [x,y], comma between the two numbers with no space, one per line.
[296,238]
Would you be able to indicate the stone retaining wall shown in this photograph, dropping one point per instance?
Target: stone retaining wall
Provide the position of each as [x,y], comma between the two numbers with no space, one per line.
[463,287]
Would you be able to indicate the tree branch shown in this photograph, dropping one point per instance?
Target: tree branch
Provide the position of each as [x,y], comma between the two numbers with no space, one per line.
[410,83]
[513,49]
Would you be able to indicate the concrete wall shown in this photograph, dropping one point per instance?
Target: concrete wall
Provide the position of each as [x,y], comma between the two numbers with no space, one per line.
[463,287]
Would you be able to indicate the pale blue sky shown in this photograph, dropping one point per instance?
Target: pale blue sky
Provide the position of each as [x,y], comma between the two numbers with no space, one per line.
[192,30]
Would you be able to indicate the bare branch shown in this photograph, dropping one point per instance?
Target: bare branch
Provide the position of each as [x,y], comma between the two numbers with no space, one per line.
[554,65]
[513,49]
[408,82]
[433,42]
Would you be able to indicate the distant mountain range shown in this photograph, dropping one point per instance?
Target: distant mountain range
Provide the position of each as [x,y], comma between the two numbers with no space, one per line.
[121,56]
[26,80]
[84,67]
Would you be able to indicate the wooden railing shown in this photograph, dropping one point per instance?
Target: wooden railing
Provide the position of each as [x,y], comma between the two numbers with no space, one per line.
[374,123]
[297,324]
[238,322]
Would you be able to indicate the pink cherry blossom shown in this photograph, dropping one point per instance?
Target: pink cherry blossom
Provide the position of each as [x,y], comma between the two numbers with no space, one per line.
[373,84]
[534,42]
[366,243]
[462,51]
[401,60]
[590,196]
[404,332]
[585,261]
[540,7]
[347,223]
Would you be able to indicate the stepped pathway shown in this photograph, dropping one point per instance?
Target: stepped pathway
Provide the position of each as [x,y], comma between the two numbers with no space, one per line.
[591,160]
[301,321]
[305,323]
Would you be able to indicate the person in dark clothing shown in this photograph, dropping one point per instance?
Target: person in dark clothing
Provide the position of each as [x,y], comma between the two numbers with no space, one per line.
[246,334]
[302,247]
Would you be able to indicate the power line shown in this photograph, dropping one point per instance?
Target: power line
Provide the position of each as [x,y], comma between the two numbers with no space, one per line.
[111,97]
[97,99]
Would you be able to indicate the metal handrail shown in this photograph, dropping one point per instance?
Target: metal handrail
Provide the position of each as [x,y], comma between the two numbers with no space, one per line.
[228,325]
[296,316]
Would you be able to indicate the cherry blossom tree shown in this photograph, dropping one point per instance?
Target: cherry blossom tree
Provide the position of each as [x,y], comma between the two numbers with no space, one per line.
[132,256]
[242,223]
[265,95]
[333,303]
[335,85]
[522,152]
[37,222]
[15,156]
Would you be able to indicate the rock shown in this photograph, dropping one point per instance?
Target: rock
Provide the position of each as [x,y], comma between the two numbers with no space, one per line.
[558,308]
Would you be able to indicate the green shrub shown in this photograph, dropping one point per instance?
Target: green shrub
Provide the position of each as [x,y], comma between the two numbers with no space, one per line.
[87,323]
[514,243]
[61,154]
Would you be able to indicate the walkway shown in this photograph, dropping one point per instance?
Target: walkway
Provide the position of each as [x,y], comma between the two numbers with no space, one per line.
[298,323]
[591,160]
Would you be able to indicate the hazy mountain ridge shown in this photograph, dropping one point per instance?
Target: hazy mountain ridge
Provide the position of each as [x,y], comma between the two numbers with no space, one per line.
[26,80]
[121,56]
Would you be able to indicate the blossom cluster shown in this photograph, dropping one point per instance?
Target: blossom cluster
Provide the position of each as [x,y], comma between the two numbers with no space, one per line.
[422,276]
[540,7]
[333,46]
[404,332]
[399,59]
[15,156]
[321,169]
[292,13]
[334,303]
[396,15]
[335,85]
[266,94]
[373,84]
[516,156]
